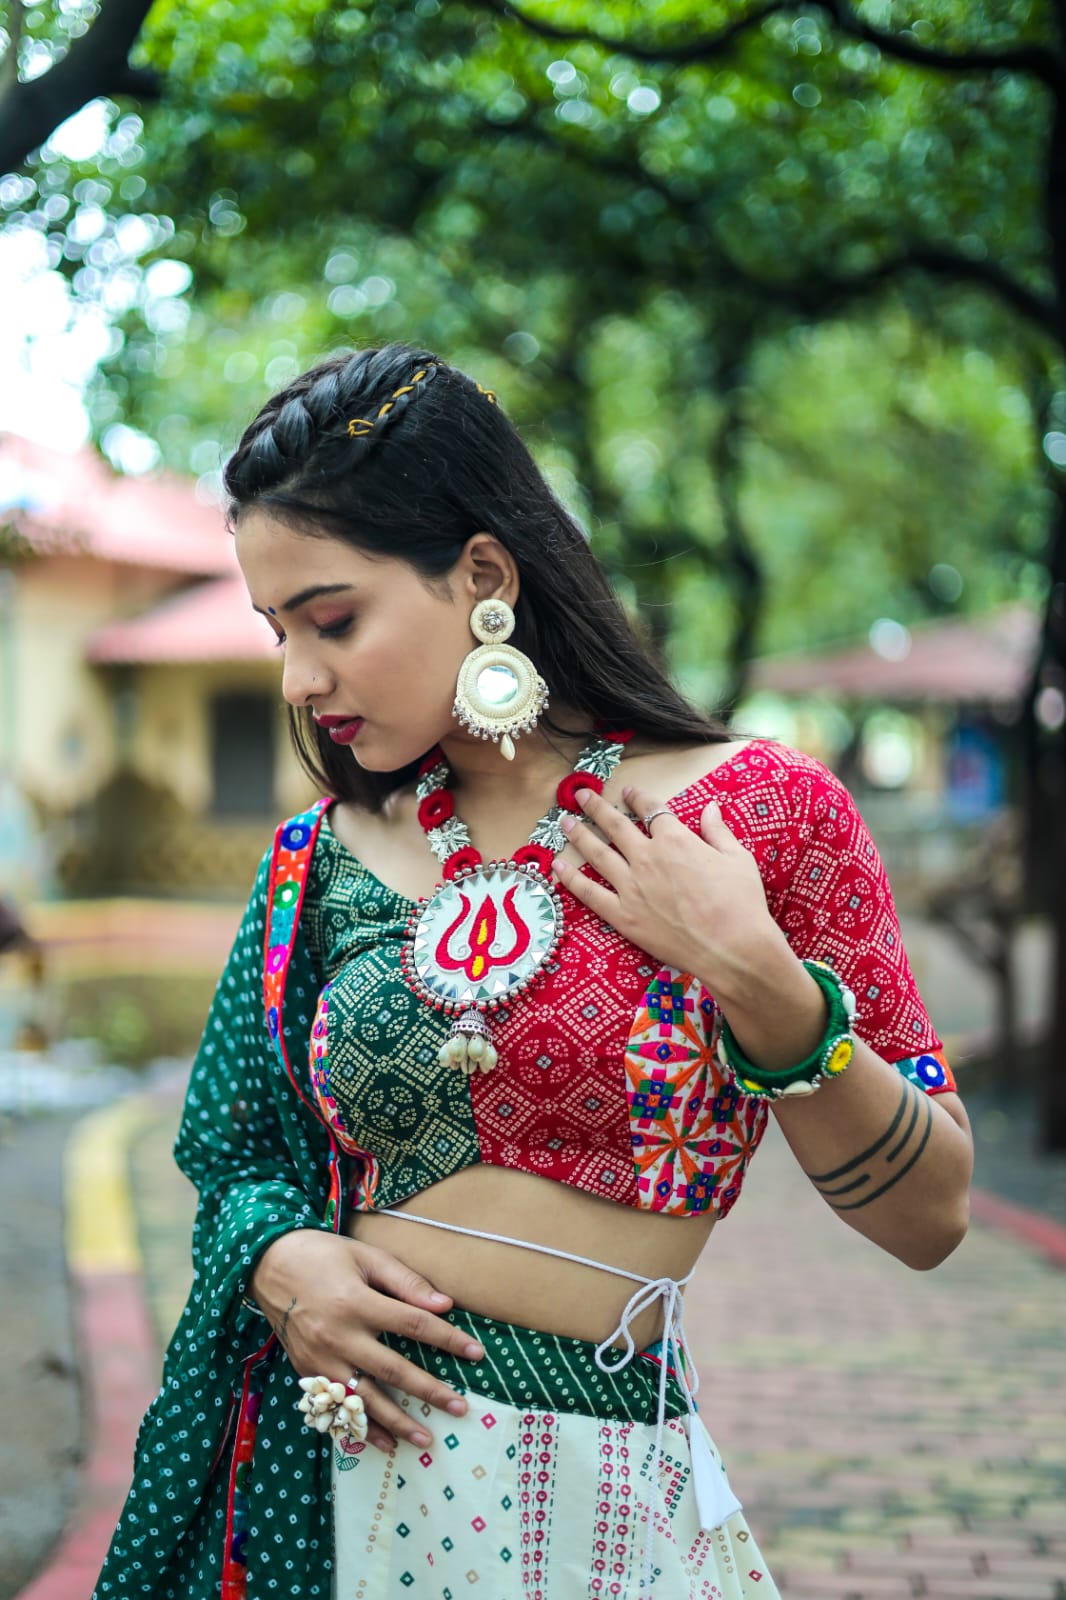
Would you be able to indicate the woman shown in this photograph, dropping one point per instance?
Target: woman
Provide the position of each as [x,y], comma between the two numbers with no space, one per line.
[551,969]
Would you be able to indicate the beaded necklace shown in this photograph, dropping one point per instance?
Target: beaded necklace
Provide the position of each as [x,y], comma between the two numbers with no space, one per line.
[488,930]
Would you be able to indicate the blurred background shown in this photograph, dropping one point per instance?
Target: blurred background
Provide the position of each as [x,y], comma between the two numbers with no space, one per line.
[777,299]
[775,292]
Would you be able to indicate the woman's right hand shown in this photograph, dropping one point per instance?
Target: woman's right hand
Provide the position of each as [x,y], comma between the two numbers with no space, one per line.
[328,1297]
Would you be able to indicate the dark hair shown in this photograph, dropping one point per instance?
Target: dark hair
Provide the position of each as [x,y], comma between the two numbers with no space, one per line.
[401,455]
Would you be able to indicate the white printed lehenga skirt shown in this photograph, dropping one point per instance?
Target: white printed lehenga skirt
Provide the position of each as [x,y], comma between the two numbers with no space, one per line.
[545,1490]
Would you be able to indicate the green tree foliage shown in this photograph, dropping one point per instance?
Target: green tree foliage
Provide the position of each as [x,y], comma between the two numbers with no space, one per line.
[778,289]
[734,271]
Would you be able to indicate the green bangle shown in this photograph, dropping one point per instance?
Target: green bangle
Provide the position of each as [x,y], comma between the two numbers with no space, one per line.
[828,1059]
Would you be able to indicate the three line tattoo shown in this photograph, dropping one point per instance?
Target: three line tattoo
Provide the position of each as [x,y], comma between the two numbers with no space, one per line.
[867,1178]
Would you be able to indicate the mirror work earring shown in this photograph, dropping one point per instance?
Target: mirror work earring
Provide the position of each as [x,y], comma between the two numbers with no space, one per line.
[500,694]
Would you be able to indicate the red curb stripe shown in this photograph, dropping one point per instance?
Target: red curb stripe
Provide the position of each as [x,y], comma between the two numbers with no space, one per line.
[1032,1227]
[121,1369]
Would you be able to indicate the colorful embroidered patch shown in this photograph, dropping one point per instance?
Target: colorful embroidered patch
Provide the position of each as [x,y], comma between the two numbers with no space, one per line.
[693,1133]
[235,1557]
[365,1181]
[929,1071]
[293,850]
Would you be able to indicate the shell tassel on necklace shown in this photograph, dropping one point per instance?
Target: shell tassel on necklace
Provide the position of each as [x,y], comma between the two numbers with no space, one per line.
[469,1047]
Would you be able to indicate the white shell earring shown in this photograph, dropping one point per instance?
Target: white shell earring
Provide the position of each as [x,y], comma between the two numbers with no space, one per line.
[500,693]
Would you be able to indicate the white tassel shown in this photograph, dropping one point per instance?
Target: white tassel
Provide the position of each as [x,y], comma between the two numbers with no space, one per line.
[715,1500]
[468,1048]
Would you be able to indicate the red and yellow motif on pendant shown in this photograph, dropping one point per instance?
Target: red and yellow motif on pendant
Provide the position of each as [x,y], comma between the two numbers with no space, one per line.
[484,934]
[480,955]
[481,937]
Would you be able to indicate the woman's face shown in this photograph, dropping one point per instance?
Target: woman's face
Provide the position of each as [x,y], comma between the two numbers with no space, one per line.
[368,645]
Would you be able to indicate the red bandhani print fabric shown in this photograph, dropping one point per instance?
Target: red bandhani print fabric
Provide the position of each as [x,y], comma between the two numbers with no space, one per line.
[825,884]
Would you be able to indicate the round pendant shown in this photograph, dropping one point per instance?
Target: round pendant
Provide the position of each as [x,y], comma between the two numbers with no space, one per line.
[482,937]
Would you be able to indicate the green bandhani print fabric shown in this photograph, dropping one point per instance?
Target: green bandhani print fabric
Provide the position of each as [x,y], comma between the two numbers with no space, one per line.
[422,1119]
[375,1043]
[260,1159]
[544,1371]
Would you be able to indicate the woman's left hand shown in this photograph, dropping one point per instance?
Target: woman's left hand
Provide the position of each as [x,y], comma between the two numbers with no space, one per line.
[693,901]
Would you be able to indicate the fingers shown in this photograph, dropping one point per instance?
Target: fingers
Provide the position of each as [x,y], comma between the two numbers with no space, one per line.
[596,851]
[643,804]
[392,1316]
[398,1373]
[379,1437]
[398,1315]
[389,1367]
[604,902]
[712,829]
[396,1393]
[389,1274]
[717,833]
[390,1385]
[390,1419]
[619,829]
[608,859]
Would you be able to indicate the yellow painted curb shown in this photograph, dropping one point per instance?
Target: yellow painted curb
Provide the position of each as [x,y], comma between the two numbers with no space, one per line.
[101,1225]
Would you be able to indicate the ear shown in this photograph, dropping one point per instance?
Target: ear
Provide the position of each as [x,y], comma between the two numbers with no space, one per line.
[488,570]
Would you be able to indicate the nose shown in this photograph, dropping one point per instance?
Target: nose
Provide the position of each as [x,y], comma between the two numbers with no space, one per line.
[302,678]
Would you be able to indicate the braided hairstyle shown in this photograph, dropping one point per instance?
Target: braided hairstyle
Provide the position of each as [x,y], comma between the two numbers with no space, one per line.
[400,455]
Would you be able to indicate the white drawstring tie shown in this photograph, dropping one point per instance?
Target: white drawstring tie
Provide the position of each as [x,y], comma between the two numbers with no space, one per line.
[715,1500]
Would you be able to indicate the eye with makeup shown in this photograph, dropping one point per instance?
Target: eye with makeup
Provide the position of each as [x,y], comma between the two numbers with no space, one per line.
[336,629]
[325,630]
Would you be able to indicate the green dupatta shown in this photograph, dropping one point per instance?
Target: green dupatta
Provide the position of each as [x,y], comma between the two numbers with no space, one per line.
[264,1164]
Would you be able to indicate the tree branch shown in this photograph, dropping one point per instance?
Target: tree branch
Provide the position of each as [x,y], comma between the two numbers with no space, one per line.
[9,67]
[743,567]
[96,64]
[823,291]
[1032,60]
[811,291]
[654,54]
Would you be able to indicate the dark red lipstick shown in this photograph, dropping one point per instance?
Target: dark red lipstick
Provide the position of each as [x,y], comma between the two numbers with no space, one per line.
[342,730]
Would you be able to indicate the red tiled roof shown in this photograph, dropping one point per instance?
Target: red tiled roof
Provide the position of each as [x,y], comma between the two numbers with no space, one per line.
[211,621]
[963,659]
[71,502]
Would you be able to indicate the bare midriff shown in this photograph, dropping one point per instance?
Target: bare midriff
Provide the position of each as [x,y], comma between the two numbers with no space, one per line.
[520,1286]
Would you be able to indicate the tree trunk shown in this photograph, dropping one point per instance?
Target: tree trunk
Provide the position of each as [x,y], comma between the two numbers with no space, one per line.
[742,568]
[1047,747]
[96,64]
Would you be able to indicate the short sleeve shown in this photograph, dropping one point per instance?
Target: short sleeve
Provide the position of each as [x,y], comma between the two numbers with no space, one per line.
[834,903]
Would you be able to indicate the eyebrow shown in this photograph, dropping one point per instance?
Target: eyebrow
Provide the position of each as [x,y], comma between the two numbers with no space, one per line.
[315,592]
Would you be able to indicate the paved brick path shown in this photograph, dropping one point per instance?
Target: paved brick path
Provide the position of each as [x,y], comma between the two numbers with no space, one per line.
[891,1434]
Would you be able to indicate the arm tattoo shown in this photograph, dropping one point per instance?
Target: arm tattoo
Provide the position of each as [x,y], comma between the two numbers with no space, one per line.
[282,1328]
[870,1175]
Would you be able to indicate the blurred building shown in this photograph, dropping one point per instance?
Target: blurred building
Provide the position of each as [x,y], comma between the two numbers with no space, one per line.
[140,712]
[923,726]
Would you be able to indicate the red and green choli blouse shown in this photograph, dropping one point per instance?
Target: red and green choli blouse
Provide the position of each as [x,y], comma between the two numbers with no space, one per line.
[607,1077]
